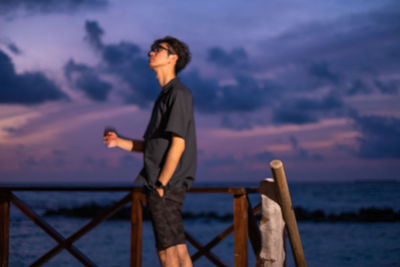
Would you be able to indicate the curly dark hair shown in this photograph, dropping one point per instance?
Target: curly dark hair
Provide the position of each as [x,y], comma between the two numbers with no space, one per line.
[176,47]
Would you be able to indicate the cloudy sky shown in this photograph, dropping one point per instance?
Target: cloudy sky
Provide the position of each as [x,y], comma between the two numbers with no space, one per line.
[313,83]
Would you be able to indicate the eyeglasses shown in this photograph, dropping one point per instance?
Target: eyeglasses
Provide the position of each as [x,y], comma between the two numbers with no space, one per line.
[157,47]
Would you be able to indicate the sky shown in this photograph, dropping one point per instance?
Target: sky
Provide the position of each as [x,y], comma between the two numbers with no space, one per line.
[315,84]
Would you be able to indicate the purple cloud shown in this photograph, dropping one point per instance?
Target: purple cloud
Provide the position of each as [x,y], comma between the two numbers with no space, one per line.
[26,88]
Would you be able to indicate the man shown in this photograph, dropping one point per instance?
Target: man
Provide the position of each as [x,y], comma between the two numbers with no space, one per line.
[169,148]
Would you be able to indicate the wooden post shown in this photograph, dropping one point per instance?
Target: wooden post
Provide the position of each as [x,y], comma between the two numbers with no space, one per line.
[136,229]
[4,227]
[240,228]
[287,212]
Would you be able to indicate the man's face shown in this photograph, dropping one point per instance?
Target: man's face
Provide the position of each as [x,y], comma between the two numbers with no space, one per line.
[160,56]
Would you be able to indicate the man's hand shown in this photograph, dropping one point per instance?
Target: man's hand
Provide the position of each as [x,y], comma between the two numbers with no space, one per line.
[111,139]
[160,191]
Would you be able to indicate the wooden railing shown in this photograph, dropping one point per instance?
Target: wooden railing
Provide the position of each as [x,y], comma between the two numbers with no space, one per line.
[244,226]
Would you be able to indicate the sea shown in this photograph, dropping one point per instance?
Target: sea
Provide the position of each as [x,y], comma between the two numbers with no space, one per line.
[325,243]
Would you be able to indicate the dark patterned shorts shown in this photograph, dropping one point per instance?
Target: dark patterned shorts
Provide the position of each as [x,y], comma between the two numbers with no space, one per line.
[166,216]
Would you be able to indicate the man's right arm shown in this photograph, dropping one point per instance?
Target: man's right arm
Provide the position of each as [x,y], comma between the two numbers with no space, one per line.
[111,139]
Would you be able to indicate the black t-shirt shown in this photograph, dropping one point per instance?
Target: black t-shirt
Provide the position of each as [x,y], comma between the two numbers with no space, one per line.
[172,113]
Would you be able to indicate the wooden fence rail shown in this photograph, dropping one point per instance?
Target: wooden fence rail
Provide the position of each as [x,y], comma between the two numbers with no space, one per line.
[244,223]
[244,226]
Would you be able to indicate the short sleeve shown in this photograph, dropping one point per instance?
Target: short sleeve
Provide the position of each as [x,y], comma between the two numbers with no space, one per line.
[180,107]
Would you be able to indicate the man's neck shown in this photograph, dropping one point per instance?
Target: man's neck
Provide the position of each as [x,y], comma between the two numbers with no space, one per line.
[165,76]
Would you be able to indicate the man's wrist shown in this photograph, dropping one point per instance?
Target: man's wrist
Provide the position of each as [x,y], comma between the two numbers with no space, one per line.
[118,141]
[160,185]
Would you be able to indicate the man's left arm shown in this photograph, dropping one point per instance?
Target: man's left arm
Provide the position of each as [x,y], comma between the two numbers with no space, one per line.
[173,156]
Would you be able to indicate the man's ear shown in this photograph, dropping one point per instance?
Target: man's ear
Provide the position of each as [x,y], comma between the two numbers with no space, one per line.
[174,57]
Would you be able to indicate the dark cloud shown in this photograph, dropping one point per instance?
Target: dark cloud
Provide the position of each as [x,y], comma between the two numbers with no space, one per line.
[380,136]
[49,6]
[7,67]
[85,79]
[245,96]
[358,87]
[322,71]
[221,58]
[119,54]
[283,115]
[125,61]
[307,110]
[303,154]
[94,88]
[14,48]
[244,120]
[388,87]
[354,42]
[71,68]
[205,91]
[354,50]
[327,103]
[94,33]
[25,88]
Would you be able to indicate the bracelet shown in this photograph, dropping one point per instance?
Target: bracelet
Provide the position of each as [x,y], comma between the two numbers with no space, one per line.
[160,185]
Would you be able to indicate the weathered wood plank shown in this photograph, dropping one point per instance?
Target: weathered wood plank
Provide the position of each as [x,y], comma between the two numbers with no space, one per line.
[242,213]
[67,243]
[240,228]
[4,227]
[285,200]
[136,229]
[214,259]
[221,236]
[50,231]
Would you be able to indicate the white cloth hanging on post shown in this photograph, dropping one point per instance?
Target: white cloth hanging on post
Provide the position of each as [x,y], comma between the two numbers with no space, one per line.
[272,228]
